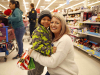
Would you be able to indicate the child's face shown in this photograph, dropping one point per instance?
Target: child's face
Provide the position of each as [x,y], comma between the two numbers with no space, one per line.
[45,21]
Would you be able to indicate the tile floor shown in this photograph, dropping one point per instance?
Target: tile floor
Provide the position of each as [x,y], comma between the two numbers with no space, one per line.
[87,65]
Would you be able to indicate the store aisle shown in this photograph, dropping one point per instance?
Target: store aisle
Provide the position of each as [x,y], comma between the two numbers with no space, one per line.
[87,65]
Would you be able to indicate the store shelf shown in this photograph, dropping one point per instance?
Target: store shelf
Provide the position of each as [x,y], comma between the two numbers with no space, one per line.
[64,14]
[98,36]
[75,26]
[91,22]
[88,50]
[76,12]
[73,19]
[78,35]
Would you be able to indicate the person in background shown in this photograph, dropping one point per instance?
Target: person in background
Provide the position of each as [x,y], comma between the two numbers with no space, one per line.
[17,23]
[62,61]
[41,40]
[32,19]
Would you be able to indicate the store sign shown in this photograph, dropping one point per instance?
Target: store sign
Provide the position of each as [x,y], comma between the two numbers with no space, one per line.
[67,2]
[55,10]
[38,10]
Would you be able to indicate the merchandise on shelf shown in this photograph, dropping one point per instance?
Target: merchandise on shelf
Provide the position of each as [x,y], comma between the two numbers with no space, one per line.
[92,45]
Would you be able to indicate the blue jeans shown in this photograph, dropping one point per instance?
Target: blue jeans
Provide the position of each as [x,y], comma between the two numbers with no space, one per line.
[19,32]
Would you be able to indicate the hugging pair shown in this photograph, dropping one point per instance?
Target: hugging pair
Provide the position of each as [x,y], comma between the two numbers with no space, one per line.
[59,59]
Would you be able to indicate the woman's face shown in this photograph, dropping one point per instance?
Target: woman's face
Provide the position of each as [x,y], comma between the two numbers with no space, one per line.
[45,21]
[12,6]
[55,26]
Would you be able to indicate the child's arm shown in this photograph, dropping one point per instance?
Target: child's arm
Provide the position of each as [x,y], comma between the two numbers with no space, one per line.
[39,46]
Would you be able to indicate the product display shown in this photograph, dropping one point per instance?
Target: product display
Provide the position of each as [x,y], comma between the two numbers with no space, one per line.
[85,29]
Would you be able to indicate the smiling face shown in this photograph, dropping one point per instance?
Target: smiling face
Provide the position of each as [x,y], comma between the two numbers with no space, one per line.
[12,6]
[55,26]
[45,21]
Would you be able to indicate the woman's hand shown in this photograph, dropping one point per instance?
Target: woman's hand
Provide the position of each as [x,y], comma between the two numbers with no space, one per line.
[6,17]
[54,49]
[29,52]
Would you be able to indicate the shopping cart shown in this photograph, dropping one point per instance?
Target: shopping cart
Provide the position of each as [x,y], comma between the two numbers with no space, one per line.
[6,41]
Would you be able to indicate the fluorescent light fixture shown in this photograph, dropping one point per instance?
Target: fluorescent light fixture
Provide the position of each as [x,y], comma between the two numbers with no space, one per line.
[50,4]
[60,6]
[3,6]
[25,5]
[37,4]
[94,3]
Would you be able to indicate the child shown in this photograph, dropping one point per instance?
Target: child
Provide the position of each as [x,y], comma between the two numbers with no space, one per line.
[3,21]
[41,40]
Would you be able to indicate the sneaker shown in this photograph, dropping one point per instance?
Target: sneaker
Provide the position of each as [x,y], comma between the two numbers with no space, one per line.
[17,56]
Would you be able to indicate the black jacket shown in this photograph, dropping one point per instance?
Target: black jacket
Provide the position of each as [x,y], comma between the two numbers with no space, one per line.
[32,15]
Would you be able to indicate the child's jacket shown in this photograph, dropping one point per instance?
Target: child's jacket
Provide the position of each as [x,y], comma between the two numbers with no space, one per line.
[41,41]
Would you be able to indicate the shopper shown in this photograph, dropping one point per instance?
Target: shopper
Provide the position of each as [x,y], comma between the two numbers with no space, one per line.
[41,40]
[62,62]
[17,23]
[32,19]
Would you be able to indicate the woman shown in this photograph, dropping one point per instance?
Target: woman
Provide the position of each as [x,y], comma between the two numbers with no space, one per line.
[62,61]
[17,24]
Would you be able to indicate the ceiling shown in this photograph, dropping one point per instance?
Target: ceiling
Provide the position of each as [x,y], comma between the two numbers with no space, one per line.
[43,4]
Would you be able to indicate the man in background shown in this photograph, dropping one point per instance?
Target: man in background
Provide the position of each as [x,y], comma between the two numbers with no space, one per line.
[32,19]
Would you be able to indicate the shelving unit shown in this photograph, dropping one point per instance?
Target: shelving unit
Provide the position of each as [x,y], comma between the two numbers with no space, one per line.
[73,18]
[91,22]
[88,50]
[75,26]
[81,34]
[98,36]
[75,12]
[77,35]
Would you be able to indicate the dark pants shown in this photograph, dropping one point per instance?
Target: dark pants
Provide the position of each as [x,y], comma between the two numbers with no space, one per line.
[19,32]
[38,69]
[47,73]
[32,27]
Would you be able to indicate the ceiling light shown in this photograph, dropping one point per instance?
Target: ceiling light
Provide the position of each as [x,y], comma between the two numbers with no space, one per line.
[60,6]
[8,0]
[94,3]
[50,4]
[3,6]
[25,5]
[37,4]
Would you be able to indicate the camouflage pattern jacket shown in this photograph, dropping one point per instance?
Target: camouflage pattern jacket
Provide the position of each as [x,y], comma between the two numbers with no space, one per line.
[41,41]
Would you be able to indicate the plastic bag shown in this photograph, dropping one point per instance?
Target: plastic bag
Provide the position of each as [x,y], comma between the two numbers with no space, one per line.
[31,65]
